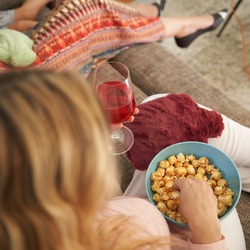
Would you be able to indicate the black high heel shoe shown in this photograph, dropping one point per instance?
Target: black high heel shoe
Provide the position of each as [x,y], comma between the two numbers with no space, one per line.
[185,41]
[160,5]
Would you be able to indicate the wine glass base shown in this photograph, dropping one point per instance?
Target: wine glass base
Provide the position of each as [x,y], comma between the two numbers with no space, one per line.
[122,141]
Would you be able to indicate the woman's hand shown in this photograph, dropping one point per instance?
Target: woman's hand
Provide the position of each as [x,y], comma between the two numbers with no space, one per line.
[131,119]
[198,205]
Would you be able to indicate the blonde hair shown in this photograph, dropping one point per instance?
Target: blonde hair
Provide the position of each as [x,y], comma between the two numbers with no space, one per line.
[55,168]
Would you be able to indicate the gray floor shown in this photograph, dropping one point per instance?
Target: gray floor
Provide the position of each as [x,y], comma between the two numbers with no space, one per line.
[218,59]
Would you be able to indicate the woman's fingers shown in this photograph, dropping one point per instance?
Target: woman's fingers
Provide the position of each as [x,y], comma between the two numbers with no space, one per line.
[131,119]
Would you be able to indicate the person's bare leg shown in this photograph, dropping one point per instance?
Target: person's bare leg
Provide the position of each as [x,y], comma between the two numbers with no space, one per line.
[177,26]
[30,9]
[148,10]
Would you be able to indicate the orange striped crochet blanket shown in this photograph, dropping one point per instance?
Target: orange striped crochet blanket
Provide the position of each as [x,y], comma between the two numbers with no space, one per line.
[80,33]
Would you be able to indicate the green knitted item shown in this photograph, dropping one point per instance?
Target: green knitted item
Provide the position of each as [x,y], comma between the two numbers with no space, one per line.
[16,48]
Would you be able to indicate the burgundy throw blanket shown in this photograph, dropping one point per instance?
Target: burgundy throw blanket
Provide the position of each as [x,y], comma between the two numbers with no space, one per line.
[169,120]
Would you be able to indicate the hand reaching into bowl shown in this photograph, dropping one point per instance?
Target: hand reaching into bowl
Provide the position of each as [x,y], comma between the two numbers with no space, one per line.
[198,205]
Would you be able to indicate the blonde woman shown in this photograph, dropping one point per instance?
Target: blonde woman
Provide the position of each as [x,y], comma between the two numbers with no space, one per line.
[57,178]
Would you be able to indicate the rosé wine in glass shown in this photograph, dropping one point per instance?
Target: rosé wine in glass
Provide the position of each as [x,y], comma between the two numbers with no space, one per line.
[114,88]
[118,100]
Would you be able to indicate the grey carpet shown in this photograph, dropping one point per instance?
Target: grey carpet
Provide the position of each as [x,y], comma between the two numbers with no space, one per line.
[217,59]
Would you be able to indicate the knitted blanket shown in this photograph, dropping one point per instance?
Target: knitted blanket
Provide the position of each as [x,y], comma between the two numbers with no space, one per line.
[168,120]
[80,33]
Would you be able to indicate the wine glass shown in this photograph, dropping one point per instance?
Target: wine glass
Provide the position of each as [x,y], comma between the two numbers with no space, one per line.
[114,88]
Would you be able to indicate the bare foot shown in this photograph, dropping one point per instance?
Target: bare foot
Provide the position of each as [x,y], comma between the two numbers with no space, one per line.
[192,24]
[183,26]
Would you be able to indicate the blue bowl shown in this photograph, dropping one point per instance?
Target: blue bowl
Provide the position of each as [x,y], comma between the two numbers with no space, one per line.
[215,156]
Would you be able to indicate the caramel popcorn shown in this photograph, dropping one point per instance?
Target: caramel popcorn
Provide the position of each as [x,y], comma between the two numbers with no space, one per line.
[181,166]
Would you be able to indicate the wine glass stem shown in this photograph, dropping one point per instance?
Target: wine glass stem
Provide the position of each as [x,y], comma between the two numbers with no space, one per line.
[115,135]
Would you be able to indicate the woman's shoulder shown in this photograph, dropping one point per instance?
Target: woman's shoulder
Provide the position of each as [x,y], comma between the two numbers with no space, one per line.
[144,213]
[133,205]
